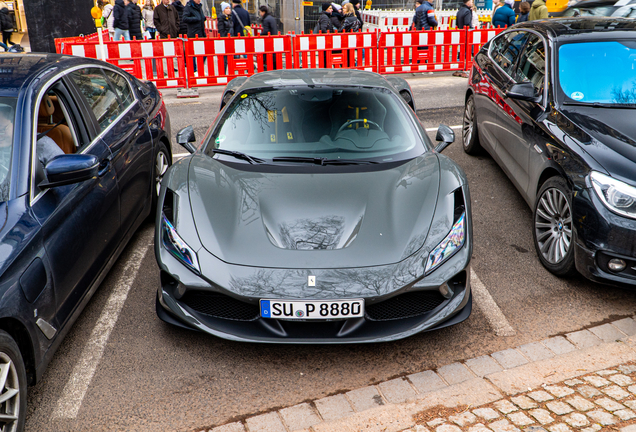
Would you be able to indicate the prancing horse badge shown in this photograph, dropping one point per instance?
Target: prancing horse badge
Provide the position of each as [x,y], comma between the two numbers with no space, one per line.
[311,281]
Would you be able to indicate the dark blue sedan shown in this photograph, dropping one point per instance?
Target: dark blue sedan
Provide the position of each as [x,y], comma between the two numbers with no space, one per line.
[83,147]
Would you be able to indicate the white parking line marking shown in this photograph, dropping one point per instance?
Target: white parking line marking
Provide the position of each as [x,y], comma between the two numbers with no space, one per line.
[487,304]
[75,389]
[434,129]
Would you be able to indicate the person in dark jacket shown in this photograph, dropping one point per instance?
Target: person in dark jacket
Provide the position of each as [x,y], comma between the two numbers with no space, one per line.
[356,6]
[134,20]
[336,17]
[270,28]
[224,22]
[240,19]
[418,3]
[121,22]
[324,20]
[465,15]
[524,12]
[183,28]
[350,22]
[194,19]
[425,17]
[166,20]
[6,24]
[504,16]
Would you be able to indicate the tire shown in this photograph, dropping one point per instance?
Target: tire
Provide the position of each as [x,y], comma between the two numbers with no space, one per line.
[161,164]
[552,227]
[14,387]
[470,136]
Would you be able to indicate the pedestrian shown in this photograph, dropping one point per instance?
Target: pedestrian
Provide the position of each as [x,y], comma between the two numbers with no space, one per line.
[134,20]
[224,21]
[476,24]
[166,20]
[499,4]
[504,16]
[524,12]
[109,18]
[183,28]
[336,16]
[425,16]
[147,13]
[538,10]
[270,28]
[356,6]
[465,15]
[324,24]
[121,21]
[6,23]
[194,19]
[240,20]
[350,22]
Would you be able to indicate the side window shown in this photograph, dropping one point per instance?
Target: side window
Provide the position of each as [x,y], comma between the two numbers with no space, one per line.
[532,64]
[122,88]
[101,97]
[507,49]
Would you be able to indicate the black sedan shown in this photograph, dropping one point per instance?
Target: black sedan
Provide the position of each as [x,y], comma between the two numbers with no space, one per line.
[553,103]
[600,8]
[316,210]
[83,147]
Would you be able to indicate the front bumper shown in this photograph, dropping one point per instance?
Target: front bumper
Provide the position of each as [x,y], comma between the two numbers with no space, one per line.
[600,236]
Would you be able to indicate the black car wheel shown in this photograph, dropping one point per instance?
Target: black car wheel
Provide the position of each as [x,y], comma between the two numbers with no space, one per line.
[161,165]
[12,386]
[470,137]
[553,227]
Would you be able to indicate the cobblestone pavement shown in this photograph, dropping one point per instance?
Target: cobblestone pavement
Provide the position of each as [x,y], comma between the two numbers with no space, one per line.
[581,381]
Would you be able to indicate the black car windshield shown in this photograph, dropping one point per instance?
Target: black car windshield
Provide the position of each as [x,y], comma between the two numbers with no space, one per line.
[589,11]
[598,72]
[322,124]
[7,120]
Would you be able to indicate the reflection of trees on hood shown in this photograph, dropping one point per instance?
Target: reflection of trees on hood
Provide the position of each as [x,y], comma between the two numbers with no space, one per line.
[254,109]
[308,234]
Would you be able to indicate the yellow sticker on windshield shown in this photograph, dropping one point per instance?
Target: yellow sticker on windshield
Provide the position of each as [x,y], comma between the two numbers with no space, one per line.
[272,137]
[244,95]
[271,116]
[289,135]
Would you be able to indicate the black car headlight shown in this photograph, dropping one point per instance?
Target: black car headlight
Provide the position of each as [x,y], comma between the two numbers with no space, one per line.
[177,247]
[453,242]
[617,196]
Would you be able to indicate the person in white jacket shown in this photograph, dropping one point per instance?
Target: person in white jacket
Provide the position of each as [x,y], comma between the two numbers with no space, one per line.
[107,14]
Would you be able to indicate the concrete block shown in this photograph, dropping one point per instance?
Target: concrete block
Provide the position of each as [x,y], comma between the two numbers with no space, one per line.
[365,398]
[583,339]
[509,358]
[535,351]
[232,427]
[334,407]
[602,417]
[626,325]
[558,345]
[426,381]
[455,373]
[269,422]
[299,416]
[397,390]
[608,333]
[484,365]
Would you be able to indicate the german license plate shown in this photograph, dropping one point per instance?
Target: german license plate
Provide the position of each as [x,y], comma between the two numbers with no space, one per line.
[302,310]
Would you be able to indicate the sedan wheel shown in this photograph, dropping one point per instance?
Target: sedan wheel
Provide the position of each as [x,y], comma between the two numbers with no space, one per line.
[161,166]
[470,137]
[553,227]
[12,386]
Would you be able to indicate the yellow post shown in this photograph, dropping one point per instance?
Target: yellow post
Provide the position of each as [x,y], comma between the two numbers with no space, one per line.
[96,13]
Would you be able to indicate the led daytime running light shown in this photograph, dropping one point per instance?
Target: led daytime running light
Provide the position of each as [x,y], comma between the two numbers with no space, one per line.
[617,196]
[447,247]
[177,247]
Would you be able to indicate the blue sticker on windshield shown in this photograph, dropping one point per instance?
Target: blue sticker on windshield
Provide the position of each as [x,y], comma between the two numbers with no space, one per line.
[577,95]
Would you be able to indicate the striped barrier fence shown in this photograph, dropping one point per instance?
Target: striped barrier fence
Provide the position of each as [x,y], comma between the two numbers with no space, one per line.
[336,50]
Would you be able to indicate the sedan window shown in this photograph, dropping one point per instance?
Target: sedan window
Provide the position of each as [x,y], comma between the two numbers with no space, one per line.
[532,64]
[97,90]
[7,120]
[124,92]
[506,49]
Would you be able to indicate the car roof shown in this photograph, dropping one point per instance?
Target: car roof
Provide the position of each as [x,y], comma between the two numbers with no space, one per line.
[595,3]
[304,77]
[561,29]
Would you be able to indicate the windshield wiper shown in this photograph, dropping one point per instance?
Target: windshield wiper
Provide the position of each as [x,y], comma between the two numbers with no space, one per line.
[238,155]
[600,104]
[323,161]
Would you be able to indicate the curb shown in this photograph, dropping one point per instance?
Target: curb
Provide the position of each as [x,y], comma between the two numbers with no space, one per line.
[391,405]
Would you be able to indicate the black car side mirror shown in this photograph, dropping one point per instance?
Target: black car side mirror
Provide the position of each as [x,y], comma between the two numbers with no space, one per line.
[69,169]
[446,136]
[185,137]
[523,91]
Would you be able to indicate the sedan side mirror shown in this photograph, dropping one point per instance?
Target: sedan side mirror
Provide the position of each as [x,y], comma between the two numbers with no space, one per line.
[69,169]
[446,135]
[523,91]
[185,137]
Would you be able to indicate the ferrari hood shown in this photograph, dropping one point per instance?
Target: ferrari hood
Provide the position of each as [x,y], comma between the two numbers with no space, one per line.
[312,221]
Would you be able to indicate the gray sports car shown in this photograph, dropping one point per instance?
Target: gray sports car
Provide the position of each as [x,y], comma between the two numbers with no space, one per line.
[315,210]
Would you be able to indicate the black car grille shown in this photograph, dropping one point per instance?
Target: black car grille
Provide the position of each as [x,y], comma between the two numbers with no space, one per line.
[406,305]
[220,306]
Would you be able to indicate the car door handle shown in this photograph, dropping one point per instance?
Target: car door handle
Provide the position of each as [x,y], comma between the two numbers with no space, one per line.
[103,168]
[141,123]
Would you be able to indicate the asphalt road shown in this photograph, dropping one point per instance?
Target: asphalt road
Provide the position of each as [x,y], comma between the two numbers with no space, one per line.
[153,376]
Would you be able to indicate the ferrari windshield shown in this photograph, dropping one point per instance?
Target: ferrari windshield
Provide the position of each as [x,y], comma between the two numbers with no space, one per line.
[303,124]
[7,119]
[598,72]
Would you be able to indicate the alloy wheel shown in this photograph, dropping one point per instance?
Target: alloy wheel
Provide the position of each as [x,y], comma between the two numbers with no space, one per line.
[468,126]
[9,394]
[161,166]
[553,225]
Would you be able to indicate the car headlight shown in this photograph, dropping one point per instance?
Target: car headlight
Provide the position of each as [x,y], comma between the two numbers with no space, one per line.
[447,247]
[176,246]
[619,197]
